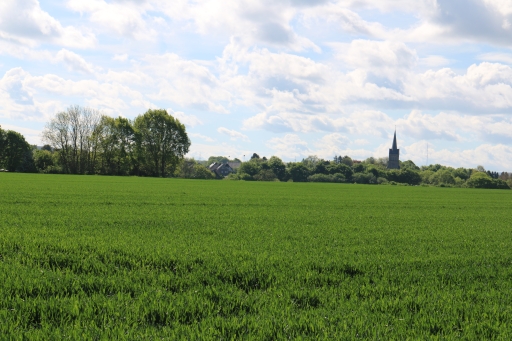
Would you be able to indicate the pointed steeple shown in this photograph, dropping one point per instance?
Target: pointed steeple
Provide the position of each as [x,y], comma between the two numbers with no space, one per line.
[394,142]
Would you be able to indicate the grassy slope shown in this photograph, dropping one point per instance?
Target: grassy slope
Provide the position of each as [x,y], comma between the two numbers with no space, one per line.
[116,257]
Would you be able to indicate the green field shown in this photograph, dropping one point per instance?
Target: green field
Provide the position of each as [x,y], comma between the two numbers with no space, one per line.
[88,257]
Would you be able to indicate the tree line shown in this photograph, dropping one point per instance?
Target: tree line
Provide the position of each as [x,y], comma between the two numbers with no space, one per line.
[82,141]
[369,171]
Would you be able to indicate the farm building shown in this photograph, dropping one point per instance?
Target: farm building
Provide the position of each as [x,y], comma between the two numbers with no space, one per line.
[221,169]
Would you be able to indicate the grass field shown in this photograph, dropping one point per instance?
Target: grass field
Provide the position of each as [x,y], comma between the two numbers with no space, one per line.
[87,257]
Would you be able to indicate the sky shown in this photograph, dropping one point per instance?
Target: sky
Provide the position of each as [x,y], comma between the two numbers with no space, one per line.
[290,78]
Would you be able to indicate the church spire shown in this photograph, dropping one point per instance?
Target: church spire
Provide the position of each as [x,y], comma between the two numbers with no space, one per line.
[394,155]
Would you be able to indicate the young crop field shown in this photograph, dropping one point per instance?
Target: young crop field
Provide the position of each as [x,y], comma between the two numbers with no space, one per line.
[89,257]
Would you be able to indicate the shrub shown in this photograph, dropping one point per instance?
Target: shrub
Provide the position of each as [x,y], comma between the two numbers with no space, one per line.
[482,180]
[265,175]
[364,178]
[382,181]
[338,177]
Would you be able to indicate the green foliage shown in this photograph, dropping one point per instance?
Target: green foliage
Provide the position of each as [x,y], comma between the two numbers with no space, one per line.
[190,169]
[298,172]
[443,176]
[16,153]
[342,168]
[482,180]
[346,160]
[364,178]
[265,175]
[359,167]
[251,167]
[462,173]
[278,167]
[409,165]
[406,176]
[148,259]
[337,177]
[311,161]
[43,160]
[116,146]
[161,142]
[2,146]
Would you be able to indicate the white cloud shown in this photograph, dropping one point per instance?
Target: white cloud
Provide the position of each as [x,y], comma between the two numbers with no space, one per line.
[202,151]
[289,146]
[434,61]
[496,57]
[124,19]
[202,137]
[26,23]
[73,61]
[120,57]
[186,83]
[494,157]
[235,135]
[188,120]
[32,136]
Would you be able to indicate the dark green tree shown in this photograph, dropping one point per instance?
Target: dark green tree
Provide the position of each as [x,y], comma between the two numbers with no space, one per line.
[162,142]
[15,152]
[116,144]
[251,167]
[278,167]
[43,159]
[298,172]
[342,168]
[409,165]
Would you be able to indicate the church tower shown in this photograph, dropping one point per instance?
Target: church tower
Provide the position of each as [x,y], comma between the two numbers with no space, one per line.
[394,155]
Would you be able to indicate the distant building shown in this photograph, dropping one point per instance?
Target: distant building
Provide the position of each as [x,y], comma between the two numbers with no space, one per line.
[394,156]
[221,169]
[234,165]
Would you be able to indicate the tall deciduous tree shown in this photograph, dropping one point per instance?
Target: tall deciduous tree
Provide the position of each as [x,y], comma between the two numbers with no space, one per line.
[2,145]
[72,133]
[15,150]
[162,142]
[116,142]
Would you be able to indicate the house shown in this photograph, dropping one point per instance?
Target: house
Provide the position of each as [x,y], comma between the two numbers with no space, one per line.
[234,165]
[220,169]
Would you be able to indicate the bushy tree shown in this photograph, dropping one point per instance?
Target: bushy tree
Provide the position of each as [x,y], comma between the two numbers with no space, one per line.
[327,178]
[265,175]
[443,176]
[483,180]
[298,172]
[347,161]
[162,142]
[342,168]
[116,145]
[201,172]
[278,167]
[44,160]
[2,146]
[251,167]
[409,165]
[358,168]
[16,154]
[364,178]
[406,176]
